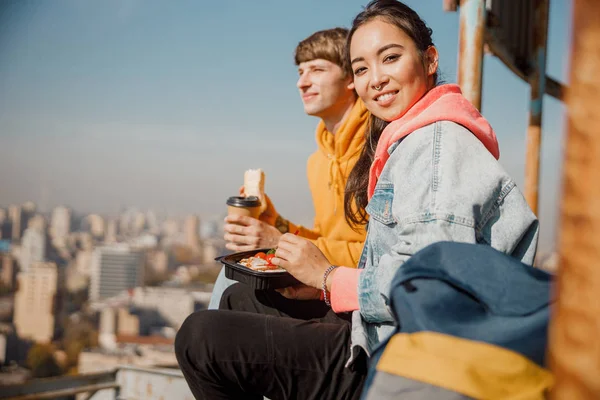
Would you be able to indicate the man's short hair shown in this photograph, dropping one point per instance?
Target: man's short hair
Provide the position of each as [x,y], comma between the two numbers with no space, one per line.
[329,45]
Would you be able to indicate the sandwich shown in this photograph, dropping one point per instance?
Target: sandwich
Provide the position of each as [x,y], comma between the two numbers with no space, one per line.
[254,185]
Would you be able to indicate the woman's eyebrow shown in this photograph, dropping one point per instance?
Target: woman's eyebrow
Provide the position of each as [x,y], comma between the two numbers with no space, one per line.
[381,50]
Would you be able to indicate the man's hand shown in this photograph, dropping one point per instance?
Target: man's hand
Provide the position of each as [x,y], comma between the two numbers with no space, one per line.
[300,292]
[270,214]
[245,233]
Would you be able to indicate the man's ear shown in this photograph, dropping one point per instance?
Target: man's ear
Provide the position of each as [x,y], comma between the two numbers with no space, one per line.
[350,85]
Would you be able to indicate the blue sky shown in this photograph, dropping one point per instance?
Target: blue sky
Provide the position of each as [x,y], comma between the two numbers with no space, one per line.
[163,105]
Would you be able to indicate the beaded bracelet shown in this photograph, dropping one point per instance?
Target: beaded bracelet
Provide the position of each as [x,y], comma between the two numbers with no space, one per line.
[324,286]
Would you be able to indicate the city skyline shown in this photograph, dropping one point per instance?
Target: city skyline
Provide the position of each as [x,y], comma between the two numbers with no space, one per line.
[164,106]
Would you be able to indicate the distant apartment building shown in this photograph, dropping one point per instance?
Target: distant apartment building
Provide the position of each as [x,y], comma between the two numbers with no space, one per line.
[170,227]
[143,241]
[3,341]
[111,232]
[138,223]
[127,324]
[14,215]
[106,334]
[211,249]
[28,212]
[60,224]
[37,222]
[96,223]
[5,228]
[152,222]
[33,248]
[115,269]
[132,222]
[8,271]
[191,228]
[159,262]
[35,302]
[172,304]
[83,262]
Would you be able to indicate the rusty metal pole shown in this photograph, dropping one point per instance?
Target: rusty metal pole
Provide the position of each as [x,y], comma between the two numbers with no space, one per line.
[470,49]
[575,327]
[450,5]
[537,81]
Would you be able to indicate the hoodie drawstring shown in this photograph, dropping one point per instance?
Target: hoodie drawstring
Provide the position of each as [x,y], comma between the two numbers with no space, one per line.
[334,169]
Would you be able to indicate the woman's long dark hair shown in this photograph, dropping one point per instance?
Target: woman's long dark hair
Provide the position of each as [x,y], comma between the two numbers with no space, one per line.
[405,18]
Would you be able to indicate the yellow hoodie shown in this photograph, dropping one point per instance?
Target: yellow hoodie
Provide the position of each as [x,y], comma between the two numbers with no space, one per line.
[328,169]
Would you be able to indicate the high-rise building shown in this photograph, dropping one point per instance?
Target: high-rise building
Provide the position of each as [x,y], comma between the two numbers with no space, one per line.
[211,229]
[37,222]
[33,249]
[115,269]
[191,230]
[106,334]
[170,227]
[28,211]
[209,252]
[60,223]
[132,222]
[152,222]
[14,215]
[83,262]
[127,323]
[159,263]
[96,225]
[138,223]
[35,301]
[173,304]
[29,206]
[8,271]
[4,234]
[111,232]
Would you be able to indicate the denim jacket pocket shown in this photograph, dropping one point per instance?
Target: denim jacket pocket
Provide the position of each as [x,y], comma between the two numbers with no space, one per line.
[380,205]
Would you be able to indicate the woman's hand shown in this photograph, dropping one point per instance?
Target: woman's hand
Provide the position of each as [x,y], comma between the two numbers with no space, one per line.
[301,258]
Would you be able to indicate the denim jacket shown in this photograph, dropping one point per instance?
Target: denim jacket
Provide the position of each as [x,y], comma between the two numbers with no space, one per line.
[439,184]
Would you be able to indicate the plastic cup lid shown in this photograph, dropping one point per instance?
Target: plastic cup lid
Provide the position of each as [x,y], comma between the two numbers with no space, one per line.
[239,201]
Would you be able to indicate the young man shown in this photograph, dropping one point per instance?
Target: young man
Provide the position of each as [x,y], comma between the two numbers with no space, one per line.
[326,86]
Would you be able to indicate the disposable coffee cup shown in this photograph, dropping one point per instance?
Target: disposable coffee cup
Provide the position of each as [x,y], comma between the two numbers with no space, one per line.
[248,206]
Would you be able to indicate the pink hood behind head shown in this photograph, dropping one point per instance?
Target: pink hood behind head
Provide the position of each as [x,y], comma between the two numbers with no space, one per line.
[442,103]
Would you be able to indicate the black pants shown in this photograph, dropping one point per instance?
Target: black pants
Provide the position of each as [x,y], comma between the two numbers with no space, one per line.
[260,343]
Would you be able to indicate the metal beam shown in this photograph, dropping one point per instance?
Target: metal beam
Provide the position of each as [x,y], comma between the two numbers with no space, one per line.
[38,388]
[470,49]
[537,82]
[53,394]
[552,87]
[450,5]
[555,89]
[575,328]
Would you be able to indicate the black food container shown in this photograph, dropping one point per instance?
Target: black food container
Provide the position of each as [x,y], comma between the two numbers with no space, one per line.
[255,279]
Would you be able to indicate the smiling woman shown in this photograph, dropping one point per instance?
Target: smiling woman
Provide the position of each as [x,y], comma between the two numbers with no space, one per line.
[392,70]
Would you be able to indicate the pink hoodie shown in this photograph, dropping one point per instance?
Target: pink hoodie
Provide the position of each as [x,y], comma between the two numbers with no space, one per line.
[442,103]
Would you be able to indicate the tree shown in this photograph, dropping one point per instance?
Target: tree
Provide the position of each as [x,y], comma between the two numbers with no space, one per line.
[78,335]
[41,361]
